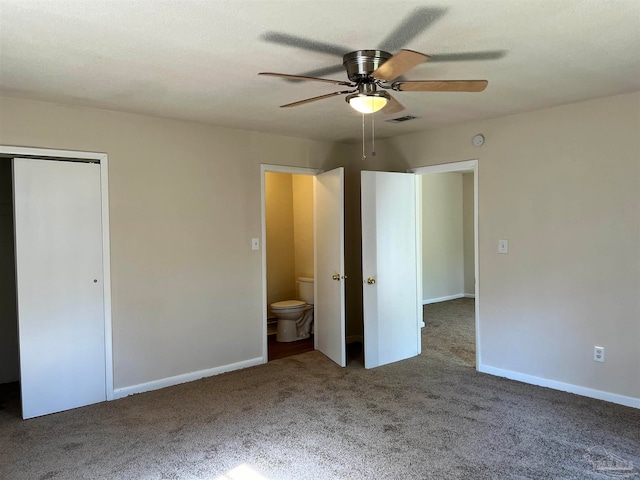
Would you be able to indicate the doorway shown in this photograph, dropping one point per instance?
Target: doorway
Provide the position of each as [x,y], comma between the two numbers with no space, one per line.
[288,249]
[389,216]
[38,187]
[9,356]
[449,264]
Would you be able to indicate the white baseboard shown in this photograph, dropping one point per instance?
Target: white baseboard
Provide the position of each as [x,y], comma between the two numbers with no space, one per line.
[186,377]
[443,299]
[469,295]
[354,339]
[565,387]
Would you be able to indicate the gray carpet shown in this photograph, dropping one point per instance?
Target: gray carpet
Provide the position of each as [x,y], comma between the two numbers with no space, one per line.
[451,330]
[302,417]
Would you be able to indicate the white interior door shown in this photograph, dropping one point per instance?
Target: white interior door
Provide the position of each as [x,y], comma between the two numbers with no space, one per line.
[57,211]
[329,307]
[389,267]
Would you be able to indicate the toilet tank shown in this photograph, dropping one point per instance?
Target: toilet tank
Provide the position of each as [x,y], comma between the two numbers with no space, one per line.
[305,289]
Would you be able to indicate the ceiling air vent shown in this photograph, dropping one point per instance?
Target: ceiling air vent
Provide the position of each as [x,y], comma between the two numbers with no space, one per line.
[406,118]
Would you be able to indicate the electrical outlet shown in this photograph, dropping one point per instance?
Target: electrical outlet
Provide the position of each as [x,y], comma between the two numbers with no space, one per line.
[598,354]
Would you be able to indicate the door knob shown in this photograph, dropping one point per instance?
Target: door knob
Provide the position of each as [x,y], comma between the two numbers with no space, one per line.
[336,276]
[371,280]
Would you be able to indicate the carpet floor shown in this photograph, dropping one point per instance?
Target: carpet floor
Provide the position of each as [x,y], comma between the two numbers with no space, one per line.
[303,417]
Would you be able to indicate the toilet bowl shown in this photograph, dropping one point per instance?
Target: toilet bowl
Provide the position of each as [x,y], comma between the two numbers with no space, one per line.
[295,317]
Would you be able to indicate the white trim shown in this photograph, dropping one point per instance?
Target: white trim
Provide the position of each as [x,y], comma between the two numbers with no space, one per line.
[354,339]
[419,312]
[476,257]
[106,268]
[315,252]
[103,158]
[51,153]
[264,168]
[467,165]
[565,387]
[469,295]
[443,299]
[464,166]
[184,378]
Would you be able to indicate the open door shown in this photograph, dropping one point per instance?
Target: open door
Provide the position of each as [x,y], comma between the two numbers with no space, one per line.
[390,267]
[60,298]
[329,308]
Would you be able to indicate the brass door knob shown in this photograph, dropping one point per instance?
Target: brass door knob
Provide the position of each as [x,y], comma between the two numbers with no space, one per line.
[336,276]
[371,280]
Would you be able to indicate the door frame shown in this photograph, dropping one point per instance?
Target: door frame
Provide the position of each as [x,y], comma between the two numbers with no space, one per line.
[264,168]
[103,160]
[457,167]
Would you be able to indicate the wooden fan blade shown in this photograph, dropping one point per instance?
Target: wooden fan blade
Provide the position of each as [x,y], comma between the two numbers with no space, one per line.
[302,77]
[313,99]
[400,63]
[394,106]
[469,56]
[441,86]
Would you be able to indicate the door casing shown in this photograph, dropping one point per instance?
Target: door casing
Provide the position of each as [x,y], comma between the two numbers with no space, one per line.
[460,167]
[264,168]
[103,160]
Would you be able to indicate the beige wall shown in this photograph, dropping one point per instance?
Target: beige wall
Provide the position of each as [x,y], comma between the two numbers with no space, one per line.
[184,205]
[442,236]
[279,242]
[563,186]
[9,363]
[467,232]
[303,225]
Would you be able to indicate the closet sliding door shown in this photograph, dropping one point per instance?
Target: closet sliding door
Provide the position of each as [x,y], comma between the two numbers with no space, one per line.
[61,325]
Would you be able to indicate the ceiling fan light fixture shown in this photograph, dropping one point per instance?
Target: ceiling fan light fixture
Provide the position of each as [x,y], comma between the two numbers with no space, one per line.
[368,102]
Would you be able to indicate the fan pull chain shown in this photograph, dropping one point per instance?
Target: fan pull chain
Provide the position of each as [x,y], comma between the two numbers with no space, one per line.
[373,135]
[364,156]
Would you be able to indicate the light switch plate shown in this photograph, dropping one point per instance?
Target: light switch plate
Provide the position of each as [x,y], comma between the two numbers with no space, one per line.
[255,244]
[503,246]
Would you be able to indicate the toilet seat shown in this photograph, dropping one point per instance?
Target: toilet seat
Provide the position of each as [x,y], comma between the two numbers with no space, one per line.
[288,304]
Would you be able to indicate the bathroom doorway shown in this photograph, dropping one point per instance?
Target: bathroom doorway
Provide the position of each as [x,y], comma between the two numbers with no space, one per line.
[288,241]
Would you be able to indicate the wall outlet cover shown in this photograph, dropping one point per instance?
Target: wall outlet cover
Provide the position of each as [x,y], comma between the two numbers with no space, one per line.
[598,354]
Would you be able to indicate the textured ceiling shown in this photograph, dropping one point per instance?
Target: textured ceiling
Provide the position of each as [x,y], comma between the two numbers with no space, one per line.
[198,60]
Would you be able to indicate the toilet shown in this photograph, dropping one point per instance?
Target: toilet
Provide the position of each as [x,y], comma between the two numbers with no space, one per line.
[295,317]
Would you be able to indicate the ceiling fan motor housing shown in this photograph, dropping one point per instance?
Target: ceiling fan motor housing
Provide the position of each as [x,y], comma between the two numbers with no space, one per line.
[362,63]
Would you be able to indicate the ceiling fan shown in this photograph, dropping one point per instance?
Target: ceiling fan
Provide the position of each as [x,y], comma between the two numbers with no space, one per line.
[372,72]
